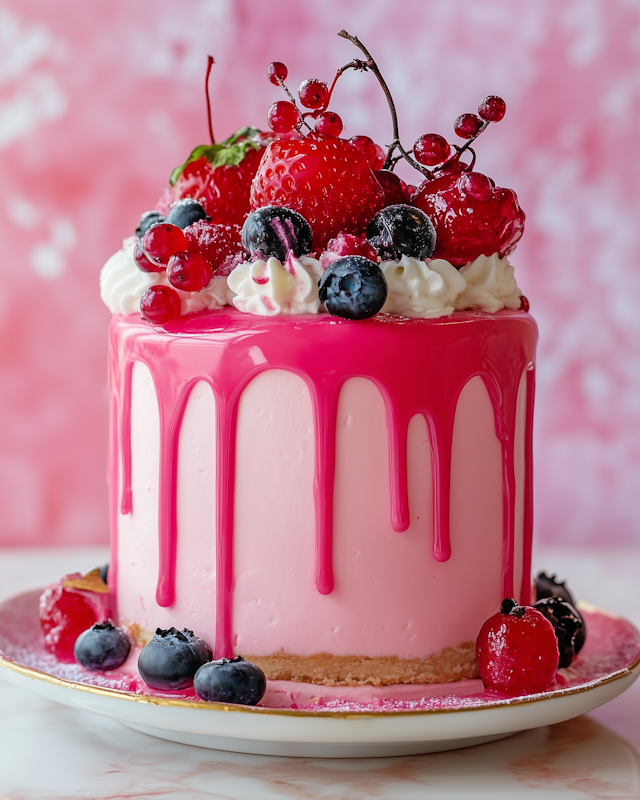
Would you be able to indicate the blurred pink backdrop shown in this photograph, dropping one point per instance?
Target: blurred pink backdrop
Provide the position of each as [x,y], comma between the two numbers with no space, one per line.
[100,100]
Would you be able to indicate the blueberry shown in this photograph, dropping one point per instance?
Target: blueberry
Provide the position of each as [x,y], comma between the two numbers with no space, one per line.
[272,231]
[402,230]
[230,681]
[171,659]
[104,572]
[102,647]
[148,220]
[548,586]
[185,212]
[568,625]
[353,287]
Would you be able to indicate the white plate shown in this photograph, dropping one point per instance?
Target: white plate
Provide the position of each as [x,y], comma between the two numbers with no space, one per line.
[608,665]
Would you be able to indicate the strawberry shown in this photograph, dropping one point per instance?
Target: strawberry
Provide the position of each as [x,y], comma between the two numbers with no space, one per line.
[219,175]
[326,179]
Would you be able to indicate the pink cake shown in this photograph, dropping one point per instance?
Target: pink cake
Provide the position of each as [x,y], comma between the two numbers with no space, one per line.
[339,501]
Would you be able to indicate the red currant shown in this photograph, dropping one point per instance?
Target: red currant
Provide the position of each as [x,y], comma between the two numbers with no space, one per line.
[524,303]
[160,304]
[431,149]
[313,93]
[328,124]
[189,271]
[467,125]
[64,615]
[368,147]
[277,72]
[492,108]
[475,185]
[162,241]
[142,262]
[282,116]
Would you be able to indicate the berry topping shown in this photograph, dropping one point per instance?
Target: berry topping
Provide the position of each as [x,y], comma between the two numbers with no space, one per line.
[273,231]
[230,681]
[568,625]
[219,244]
[189,271]
[64,614]
[524,303]
[467,125]
[369,148]
[148,219]
[162,241]
[492,108]
[402,230]
[160,304]
[142,262]
[328,124]
[171,659]
[102,647]
[346,244]
[313,93]
[431,149]
[327,180]
[282,116]
[185,212]
[517,651]
[475,185]
[353,288]
[549,586]
[277,72]
[394,188]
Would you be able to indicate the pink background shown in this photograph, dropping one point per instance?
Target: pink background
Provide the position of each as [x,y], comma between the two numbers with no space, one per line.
[100,100]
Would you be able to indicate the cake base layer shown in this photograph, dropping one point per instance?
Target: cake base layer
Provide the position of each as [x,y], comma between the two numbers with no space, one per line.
[450,664]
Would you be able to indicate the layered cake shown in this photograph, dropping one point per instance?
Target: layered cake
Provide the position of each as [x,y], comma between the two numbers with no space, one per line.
[321,399]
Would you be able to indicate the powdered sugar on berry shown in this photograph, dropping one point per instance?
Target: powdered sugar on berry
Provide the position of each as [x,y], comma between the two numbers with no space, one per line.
[491,285]
[268,288]
[421,289]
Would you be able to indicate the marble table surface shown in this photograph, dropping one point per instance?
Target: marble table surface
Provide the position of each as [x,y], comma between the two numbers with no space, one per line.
[51,751]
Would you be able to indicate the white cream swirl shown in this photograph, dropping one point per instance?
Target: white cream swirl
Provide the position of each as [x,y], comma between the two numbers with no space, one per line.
[421,289]
[491,285]
[268,288]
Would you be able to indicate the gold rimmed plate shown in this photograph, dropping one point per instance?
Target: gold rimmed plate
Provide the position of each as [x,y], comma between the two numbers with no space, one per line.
[362,723]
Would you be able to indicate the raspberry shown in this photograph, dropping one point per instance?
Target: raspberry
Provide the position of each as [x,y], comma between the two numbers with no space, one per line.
[325,179]
[64,615]
[219,244]
[517,651]
[345,244]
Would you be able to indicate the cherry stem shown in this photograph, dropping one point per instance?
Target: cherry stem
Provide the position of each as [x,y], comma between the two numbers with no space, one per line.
[210,63]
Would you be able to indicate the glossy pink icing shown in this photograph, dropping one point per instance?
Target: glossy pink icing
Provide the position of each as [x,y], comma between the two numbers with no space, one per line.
[227,350]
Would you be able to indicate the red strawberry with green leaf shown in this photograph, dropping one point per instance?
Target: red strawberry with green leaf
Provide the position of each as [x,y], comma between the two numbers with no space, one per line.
[219,175]
[326,179]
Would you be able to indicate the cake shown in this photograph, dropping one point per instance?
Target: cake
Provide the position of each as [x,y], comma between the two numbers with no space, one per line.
[336,488]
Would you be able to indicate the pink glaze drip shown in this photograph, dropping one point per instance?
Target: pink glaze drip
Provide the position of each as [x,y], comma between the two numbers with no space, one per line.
[227,349]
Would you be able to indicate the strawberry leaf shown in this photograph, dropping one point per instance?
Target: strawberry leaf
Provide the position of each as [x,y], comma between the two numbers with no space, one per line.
[223,154]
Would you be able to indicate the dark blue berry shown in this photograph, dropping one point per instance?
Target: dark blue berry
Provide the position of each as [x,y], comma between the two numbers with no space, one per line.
[103,571]
[568,625]
[102,647]
[148,220]
[230,681]
[273,232]
[171,659]
[402,230]
[548,586]
[185,212]
[353,287]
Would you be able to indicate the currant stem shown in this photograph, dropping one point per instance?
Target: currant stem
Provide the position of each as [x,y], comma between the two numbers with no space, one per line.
[283,86]
[210,63]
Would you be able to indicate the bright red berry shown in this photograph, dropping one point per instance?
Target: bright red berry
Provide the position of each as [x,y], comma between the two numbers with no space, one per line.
[394,188]
[313,93]
[64,615]
[142,262]
[160,304]
[381,157]
[368,147]
[219,244]
[475,185]
[346,244]
[162,241]
[189,271]
[282,116]
[325,179]
[492,108]
[431,149]
[328,124]
[467,125]
[517,651]
[524,303]
[277,72]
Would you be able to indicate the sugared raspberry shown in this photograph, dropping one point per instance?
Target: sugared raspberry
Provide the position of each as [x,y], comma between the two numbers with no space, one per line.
[219,244]
[346,244]
[64,615]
